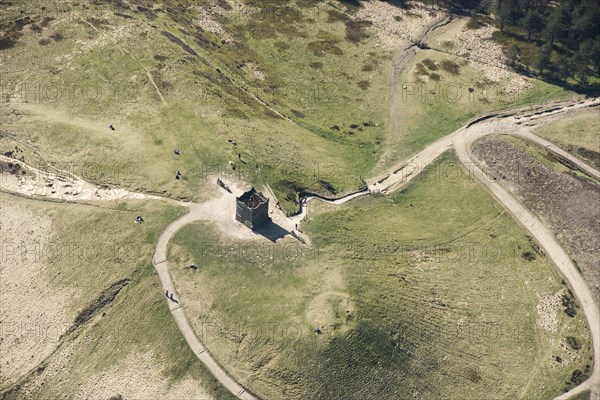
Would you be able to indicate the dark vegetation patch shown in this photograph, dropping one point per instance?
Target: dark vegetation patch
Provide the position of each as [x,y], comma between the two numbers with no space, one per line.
[163,85]
[271,21]
[322,47]
[371,62]
[36,28]
[450,67]
[123,15]
[430,64]
[57,36]
[174,39]
[98,22]
[106,297]
[328,186]
[364,85]
[356,31]
[7,41]
[202,40]
[12,31]
[568,302]
[316,65]
[336,16]
[578,376]
[298,113]
[11,168]
[367,68]
[573,343]
[472,375]
[224,4]
[421,70]
[46,21]
[474,22]
[528,255]
[282,46]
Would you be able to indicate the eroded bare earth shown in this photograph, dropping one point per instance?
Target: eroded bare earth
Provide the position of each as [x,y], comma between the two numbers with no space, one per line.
[33,312]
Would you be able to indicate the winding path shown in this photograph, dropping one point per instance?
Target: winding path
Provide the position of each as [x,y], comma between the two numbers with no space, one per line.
[397,177]
[519,123]
[461,140]
[197,212]
[515,123]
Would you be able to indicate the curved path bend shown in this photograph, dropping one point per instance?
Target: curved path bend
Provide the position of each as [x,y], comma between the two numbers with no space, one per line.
[197,212]
[463,144]
[220,209]
[462,141]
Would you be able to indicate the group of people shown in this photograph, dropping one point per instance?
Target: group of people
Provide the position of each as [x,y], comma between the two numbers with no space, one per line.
[177,174]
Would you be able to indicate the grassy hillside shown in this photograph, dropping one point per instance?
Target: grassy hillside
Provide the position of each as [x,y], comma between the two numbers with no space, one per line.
[434,290]
[165,82]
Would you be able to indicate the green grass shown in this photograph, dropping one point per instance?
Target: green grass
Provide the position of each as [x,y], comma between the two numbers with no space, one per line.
[578,134]
[429,109]
[426,291]
[339,115]
[585,395]
[391,329]
[204,108]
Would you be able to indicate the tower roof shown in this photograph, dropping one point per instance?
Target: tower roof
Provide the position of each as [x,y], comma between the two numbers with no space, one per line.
[252,198]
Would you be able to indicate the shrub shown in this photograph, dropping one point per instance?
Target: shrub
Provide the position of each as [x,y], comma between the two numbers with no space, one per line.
[430,64]
[474,23]
[321,47]
[450,67]
[528,255]
[421,70]
[573,343]
[364,85]
[356,31]
[568,302]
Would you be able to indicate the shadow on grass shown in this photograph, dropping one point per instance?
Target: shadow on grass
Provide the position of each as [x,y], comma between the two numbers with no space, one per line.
[271,231]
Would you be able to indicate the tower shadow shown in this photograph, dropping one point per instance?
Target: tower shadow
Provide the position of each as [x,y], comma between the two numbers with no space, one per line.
[271,231]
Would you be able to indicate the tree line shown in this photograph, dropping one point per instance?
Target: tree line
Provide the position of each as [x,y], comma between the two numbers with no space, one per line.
[570,28]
